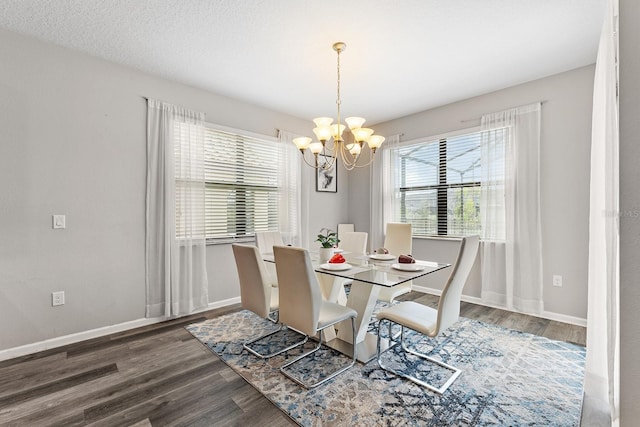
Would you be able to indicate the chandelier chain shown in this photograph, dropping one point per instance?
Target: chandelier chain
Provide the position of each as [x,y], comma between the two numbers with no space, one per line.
[338,101]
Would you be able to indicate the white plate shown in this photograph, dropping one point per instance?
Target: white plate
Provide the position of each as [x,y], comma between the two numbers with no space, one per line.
[337,250]
[382,257]
[336,267]
[409,267]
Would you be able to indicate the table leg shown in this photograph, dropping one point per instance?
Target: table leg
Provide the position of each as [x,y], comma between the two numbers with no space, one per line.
[332,288]
[362,299]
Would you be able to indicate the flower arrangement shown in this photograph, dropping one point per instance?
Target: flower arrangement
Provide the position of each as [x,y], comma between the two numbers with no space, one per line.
[329,239]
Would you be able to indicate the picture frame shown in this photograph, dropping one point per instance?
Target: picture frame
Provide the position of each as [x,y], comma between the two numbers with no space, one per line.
[326,179]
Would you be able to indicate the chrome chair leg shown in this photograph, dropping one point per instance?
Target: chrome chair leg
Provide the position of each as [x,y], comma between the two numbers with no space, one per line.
[316,348]
[275,353]
[247,344]
[439,390]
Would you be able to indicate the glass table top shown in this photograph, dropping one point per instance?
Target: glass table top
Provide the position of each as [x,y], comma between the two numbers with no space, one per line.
[366,269]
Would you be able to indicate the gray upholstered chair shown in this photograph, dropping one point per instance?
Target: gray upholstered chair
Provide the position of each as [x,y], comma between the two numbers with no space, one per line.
[398,241]
[430,322]
[256,292]
[265,240]
[302,307]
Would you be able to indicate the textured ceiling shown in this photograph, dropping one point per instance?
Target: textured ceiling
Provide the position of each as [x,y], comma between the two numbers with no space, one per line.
[402,56]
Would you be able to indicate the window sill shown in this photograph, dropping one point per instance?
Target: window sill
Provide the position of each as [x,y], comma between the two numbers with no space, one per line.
[453,239]
[230,241]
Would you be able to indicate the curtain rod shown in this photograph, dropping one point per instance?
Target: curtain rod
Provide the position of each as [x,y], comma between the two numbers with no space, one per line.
[473,119]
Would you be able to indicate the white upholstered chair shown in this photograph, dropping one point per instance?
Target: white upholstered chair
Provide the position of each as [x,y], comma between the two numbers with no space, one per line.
[342,229]
[354,242]
[398,241]
[431,322]
[302,307]
[256,292]
[265,241]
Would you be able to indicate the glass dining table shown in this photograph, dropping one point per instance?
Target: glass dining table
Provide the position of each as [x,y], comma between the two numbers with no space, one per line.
[367,274]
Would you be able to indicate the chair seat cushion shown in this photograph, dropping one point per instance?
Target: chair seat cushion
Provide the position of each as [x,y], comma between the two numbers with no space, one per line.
[414,316]
[331,313]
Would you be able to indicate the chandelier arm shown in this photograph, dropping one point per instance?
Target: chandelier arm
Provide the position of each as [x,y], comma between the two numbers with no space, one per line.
[330,163]
[327,165]
[352,164]
[370,161]
[316,166]
[346,162]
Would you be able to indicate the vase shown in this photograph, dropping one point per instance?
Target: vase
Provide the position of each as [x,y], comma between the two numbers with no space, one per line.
[325,254]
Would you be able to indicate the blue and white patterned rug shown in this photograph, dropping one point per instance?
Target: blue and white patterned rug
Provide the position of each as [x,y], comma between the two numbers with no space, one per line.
[509,378]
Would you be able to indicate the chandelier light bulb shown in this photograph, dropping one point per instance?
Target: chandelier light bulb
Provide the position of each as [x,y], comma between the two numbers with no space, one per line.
[302,142]
[362,134]
[323,121]
[336,131]
[375,141]
[316,147]
[354,122]
[355,150]
[323,133]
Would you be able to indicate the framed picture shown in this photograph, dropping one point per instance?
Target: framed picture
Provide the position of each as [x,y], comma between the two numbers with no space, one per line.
[326,179]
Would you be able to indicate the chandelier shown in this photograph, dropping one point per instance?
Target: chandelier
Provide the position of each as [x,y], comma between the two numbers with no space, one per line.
[330,141]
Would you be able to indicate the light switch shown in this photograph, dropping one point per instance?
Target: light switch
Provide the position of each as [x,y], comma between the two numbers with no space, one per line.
[59,221]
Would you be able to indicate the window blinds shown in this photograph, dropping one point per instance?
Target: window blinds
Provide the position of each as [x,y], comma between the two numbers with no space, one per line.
[437,185]
[241,185]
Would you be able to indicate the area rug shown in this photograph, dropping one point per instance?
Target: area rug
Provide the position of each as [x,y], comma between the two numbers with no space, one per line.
[509,378]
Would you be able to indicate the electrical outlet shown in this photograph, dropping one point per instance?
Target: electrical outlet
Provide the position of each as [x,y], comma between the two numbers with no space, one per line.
[557,280]
[57,298]
[59,221]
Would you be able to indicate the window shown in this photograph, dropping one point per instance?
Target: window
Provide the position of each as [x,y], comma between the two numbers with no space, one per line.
[436,185]
[241,186]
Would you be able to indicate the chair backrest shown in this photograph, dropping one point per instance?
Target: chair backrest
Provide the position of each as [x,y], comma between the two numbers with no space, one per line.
[449,304]
[255,286]
[355,242]
[397,238]
[266,240]
[300,296]
[344,228]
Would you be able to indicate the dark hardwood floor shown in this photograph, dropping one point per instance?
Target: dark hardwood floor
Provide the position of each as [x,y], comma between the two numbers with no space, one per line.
[160,375]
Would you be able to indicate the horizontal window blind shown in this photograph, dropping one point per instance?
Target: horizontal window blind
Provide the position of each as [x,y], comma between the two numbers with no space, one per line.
[241,185]
[437,185]
[242,193]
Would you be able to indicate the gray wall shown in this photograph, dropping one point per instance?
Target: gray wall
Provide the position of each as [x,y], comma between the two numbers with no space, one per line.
[629,202]
[72,141]
[565,157]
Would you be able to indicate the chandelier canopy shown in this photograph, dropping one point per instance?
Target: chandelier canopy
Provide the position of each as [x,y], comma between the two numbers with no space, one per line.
[331,142]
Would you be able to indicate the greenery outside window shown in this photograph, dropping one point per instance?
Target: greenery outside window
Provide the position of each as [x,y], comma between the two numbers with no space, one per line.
[436,185]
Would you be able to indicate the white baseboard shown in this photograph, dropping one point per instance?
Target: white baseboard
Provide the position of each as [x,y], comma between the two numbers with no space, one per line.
[545,314]
[98,332]
[112,329]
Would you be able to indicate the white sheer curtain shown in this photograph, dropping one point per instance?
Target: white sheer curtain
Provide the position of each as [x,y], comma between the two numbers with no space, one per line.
[176,274]
[381,191]
[511,254]
[290,201]
[602,376]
